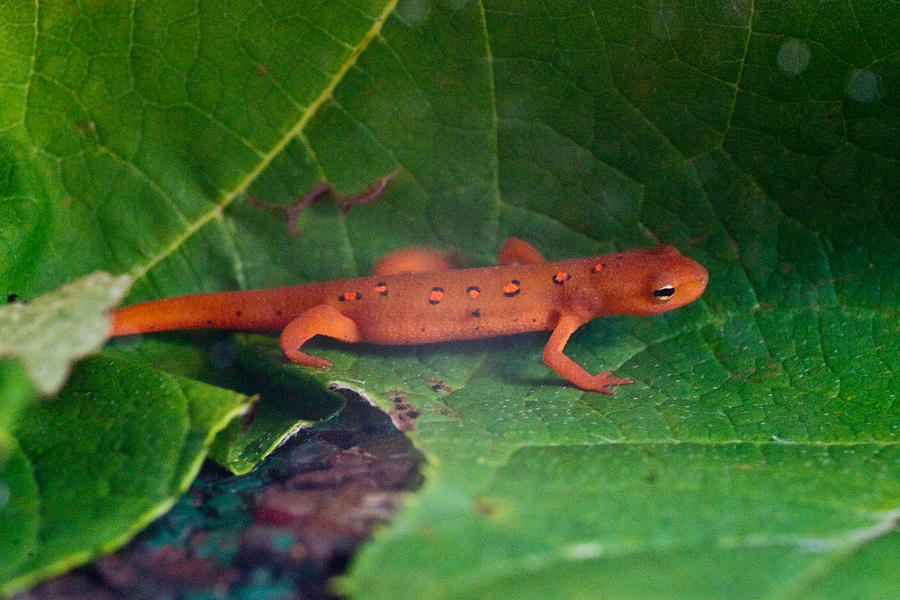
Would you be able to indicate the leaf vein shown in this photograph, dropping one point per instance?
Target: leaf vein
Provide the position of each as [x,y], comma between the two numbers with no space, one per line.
[492,86]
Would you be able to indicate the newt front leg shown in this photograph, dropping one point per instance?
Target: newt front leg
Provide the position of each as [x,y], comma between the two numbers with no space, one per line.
[567,368]
[318,320]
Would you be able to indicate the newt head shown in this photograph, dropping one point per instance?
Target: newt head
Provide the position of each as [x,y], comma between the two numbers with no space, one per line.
[655,280]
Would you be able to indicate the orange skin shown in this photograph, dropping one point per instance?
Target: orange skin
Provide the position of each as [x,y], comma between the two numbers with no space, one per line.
[415,298]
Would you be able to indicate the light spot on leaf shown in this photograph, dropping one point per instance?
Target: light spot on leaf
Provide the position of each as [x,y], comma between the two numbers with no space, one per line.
[414,12]
[793,57]
[864,86]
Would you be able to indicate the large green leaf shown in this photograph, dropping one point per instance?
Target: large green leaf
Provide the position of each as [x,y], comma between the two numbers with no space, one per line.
[758,453]
[101,460]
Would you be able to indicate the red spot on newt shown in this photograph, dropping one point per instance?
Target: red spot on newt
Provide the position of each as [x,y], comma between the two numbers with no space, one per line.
[561,277]
[512,288]
[435,296]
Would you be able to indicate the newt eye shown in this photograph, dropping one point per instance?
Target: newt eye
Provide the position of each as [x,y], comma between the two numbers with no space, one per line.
[663,293]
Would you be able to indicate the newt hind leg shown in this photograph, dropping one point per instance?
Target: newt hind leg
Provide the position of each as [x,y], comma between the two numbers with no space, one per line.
[412,260]
[517,251]
[429,260]
[318,320]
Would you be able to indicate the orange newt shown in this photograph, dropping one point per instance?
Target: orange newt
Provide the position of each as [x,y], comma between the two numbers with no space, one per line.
[415,298]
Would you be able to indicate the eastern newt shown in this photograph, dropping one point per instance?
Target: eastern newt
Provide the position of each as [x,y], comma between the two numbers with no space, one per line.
[415,298]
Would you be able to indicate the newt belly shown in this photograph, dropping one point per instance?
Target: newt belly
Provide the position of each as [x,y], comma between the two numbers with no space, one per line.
[429,302]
